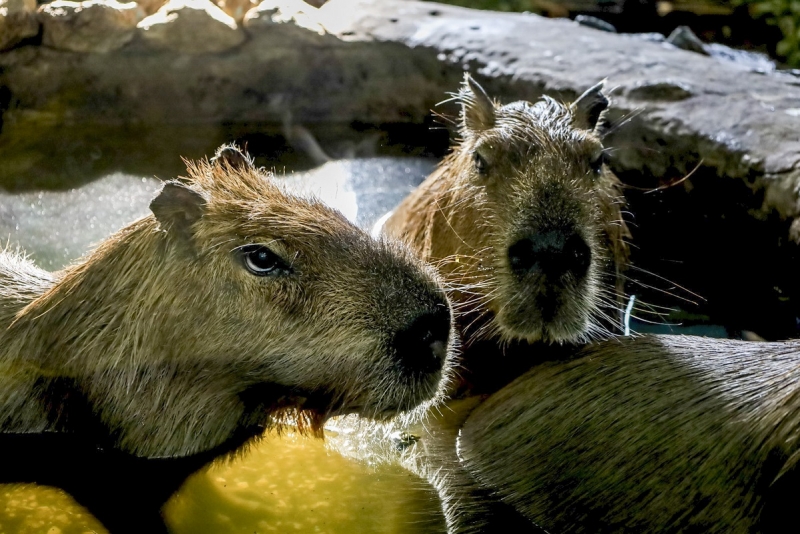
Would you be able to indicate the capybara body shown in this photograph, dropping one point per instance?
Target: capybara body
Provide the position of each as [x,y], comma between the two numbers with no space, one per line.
[523,220]
[234,305]
[660,434]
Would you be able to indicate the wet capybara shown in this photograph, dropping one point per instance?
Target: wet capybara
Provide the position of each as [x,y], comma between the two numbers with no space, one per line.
[657,434]
[180,338]
[523,220]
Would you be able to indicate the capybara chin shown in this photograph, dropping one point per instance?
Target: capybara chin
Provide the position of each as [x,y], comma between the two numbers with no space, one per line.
[233,305]
[523,219]
[657,434]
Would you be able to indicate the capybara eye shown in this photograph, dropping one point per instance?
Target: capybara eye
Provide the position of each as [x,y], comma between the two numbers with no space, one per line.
[598,160]
[261,261]
[480,163]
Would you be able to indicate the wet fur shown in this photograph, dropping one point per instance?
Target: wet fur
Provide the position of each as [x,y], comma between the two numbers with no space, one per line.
[463,222]
[660,434]
[159,344]
[647,434]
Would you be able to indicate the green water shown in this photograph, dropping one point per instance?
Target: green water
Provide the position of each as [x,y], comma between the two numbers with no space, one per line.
[283,484]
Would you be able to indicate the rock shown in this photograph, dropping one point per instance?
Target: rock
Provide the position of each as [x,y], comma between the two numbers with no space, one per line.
[596,23]
[683,37]
[662,90]
[752,61]
[191,27]
[148,7]
[272,12]
[236,8]
[652,37]
[17,21]
[98,26]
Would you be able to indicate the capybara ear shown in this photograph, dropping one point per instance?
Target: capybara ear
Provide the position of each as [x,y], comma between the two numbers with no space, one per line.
[589,107]
[177,207]
[233,156]
[477,112]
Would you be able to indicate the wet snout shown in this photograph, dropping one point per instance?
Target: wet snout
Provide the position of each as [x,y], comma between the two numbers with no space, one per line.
[553,253]
[421,345]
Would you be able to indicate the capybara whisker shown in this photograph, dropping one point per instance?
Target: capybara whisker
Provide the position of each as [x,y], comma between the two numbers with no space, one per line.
[524,213]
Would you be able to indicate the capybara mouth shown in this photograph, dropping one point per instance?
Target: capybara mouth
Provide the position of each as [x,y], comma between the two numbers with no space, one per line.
[322,405]
[555,316]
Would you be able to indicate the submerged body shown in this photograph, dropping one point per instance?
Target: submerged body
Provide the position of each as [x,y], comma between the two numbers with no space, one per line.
[660,434]
[187,333]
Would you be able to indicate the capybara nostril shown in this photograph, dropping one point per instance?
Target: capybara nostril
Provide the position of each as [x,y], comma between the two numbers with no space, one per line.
[552,253]
[421,346]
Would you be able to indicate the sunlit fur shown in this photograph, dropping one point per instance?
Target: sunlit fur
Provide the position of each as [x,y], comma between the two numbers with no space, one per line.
[164,338]
[539,176]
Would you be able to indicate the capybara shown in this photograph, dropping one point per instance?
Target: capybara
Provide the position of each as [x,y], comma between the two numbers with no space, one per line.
[657,434]
[645,434]
[180,338]
[523,220]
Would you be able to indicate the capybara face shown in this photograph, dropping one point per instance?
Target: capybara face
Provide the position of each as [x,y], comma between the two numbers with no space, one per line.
[525,224]
[236,304]
[344,323]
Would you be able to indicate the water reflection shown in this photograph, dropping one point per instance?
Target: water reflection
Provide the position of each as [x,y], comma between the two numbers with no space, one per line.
[363,189]
[25,509]
[286,483]
[292,484]
[56,226]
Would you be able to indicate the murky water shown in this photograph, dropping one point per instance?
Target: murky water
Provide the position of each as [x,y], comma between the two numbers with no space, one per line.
[283,484]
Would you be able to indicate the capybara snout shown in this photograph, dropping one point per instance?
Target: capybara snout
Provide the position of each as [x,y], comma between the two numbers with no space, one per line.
[421,346]
[555,254]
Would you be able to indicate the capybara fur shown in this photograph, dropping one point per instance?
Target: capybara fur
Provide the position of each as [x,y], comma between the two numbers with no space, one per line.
[233,306]
[657,434]
[523,220]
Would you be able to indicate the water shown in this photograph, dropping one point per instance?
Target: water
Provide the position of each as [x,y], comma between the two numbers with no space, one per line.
[58,226]
[364,189]
[283,484]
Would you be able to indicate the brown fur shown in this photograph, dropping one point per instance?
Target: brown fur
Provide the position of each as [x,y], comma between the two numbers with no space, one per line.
[538,160]
[165,334]
[658,434]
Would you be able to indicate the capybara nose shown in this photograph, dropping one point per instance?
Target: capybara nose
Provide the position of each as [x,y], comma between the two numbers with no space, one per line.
[552,253]
[422,345]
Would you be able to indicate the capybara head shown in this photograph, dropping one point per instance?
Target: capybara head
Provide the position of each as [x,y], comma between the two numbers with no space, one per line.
[523,218]
[237,299]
